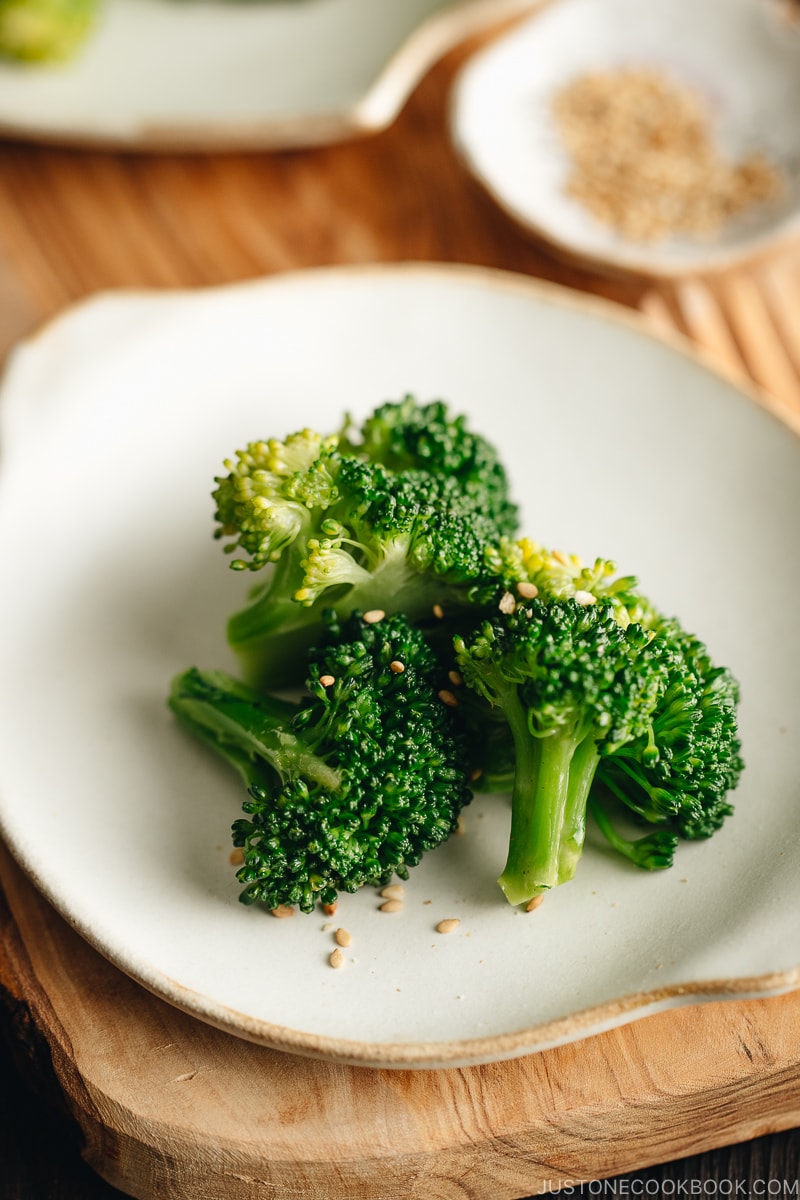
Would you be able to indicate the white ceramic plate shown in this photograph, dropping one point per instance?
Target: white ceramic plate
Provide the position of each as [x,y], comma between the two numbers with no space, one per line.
[239,74]
[115,420]
[726,50]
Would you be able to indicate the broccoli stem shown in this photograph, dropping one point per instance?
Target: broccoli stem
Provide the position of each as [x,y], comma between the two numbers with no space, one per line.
[273,634]
[653,852]
[271,637]
[581,776]
[548,806]
[247,729]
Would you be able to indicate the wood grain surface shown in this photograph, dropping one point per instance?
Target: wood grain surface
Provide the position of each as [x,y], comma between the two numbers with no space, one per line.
[747,321]
[169,1106]
[73,223]
[165,1105]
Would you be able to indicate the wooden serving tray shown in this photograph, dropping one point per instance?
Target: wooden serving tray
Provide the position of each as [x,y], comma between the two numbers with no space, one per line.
[170,1107]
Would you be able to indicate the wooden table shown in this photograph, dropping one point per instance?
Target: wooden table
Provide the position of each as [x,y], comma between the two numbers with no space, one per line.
[73,223]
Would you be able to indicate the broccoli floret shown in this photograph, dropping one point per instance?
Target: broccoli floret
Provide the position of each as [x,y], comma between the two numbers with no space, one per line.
[679,758]
[351,785]
[527,568]
[408,436]
[346,531]
[44,30]
[574,685]
[678,776]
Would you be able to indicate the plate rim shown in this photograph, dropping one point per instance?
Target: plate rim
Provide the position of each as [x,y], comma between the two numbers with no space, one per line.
[583,1023]
[375,109]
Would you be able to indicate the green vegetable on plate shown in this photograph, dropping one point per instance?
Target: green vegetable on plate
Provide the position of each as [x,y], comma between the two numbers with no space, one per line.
[42,31]
[351,785]
[441,653]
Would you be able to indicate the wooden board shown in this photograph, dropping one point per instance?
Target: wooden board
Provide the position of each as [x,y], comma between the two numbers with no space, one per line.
[170,1107]
[748,324]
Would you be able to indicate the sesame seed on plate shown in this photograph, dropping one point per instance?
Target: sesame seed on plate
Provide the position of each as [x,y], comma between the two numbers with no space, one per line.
[448,925]
[393,891]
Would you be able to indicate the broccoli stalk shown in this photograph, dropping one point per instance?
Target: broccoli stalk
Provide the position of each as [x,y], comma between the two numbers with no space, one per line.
[548,814]
[654,852]
[403,531]
[251,731]
[574,685]
[351,785]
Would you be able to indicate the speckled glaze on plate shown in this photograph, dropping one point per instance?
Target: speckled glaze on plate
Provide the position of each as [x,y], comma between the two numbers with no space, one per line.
[239,74]
[726,50]
[115,419]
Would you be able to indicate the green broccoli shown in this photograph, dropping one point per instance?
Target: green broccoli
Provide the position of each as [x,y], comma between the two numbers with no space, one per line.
[573,685]
[678,776]
[654,851]
[528,569]
[351,785]
[408,436]
[44,30]
[344,530]
[607,716]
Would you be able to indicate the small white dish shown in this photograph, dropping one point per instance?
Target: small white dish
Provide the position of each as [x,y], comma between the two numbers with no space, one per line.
[724,50]
[235,74]
[115,420]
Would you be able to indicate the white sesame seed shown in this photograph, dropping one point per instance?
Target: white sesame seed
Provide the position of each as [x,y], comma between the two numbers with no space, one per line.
[343,937]
[455,678]
[585,598]
[528,591]
[535,902]
[336,958]
[507,603]
[282,911]
[391,906]
[327,680]
[449,925]
[448,698]
[374,615]
[394,891]
[438,611]
[397,667]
